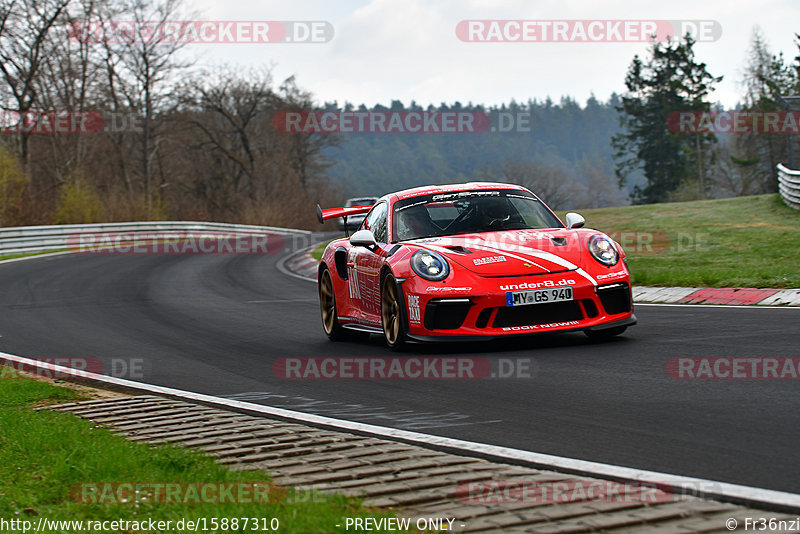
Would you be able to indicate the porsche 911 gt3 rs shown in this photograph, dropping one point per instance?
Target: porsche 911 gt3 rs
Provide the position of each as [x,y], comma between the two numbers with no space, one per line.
[470,261]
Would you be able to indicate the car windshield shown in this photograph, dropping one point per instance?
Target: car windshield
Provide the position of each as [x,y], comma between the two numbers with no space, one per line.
[466,212]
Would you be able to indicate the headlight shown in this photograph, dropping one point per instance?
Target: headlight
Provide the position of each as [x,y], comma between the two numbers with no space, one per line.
[430,265]
[603,250]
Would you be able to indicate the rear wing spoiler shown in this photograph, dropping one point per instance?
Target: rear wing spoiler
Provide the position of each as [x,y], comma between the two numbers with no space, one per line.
[333,213]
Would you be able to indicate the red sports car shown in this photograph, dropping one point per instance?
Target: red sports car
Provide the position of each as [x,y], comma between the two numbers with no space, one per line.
[470,261]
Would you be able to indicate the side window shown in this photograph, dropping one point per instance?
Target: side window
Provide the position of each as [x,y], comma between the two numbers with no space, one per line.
[376,221]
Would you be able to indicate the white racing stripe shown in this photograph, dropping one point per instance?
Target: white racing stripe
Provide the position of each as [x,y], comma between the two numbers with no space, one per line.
[541,254]
[697,486]
[445,250]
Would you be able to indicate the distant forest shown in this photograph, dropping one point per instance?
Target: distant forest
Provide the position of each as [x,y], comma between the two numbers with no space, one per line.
[570,141]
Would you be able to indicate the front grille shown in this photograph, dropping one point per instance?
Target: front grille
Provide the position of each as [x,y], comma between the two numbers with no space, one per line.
[616,298]
[446,314]
[483,318]
[590,308]
[553,312]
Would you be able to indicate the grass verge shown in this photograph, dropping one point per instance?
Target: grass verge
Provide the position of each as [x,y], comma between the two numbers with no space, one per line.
[50,462]
[317,252]
[737,242]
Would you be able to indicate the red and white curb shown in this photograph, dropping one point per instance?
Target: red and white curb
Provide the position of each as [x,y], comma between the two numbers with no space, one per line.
[303,265]
[742,296]
[300,265]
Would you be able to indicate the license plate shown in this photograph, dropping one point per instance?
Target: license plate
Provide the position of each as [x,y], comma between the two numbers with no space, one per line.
[538,296]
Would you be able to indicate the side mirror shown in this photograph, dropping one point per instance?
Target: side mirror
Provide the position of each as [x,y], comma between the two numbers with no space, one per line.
[363,238]
[575,220]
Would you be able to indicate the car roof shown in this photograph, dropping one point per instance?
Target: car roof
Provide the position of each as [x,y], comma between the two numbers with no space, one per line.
[449,188]
[356,200]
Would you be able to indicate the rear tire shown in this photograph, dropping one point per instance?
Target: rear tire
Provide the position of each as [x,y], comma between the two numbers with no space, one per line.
[391,319]
[605,334]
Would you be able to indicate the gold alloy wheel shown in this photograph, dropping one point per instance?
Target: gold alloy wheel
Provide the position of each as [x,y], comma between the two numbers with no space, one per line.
[390,311]
[327,302]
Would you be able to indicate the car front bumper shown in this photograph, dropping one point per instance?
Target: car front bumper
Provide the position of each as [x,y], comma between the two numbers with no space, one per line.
[476,307]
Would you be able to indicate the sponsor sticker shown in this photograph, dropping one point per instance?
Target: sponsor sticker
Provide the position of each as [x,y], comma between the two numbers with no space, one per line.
[447,289]
[616,274]
[537,285]
[546,326]
[489,259]
[413,309]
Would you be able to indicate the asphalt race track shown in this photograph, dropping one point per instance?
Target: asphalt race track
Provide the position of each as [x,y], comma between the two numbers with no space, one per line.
[216,324]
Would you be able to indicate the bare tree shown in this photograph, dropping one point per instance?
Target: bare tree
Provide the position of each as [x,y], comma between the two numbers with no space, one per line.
[26,25]
[71,79]
[140,74]
[240,163]
[554,186]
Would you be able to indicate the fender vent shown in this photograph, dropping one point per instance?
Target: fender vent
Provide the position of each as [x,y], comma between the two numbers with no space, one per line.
[340,261]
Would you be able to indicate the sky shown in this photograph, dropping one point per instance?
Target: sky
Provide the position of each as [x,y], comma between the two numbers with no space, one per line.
[385,50]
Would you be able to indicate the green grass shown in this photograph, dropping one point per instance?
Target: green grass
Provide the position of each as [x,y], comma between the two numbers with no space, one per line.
[317,252]
[737,242]
[47,457]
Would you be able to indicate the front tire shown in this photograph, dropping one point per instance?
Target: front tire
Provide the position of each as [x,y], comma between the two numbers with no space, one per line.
[327,304]
[391,319]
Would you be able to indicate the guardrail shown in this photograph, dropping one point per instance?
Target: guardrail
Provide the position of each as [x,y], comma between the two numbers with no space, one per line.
[33,239]
[789,186]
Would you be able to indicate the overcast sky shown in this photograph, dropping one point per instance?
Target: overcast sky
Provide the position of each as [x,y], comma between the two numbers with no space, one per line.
[408,49]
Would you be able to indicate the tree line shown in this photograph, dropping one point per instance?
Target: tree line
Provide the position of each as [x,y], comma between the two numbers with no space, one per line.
[699,164]
[179,141]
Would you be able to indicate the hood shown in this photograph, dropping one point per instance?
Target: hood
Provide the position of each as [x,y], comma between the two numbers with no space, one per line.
[512,252]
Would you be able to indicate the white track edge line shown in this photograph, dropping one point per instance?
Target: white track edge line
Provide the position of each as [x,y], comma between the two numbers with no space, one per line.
[743,494]
[35,256]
